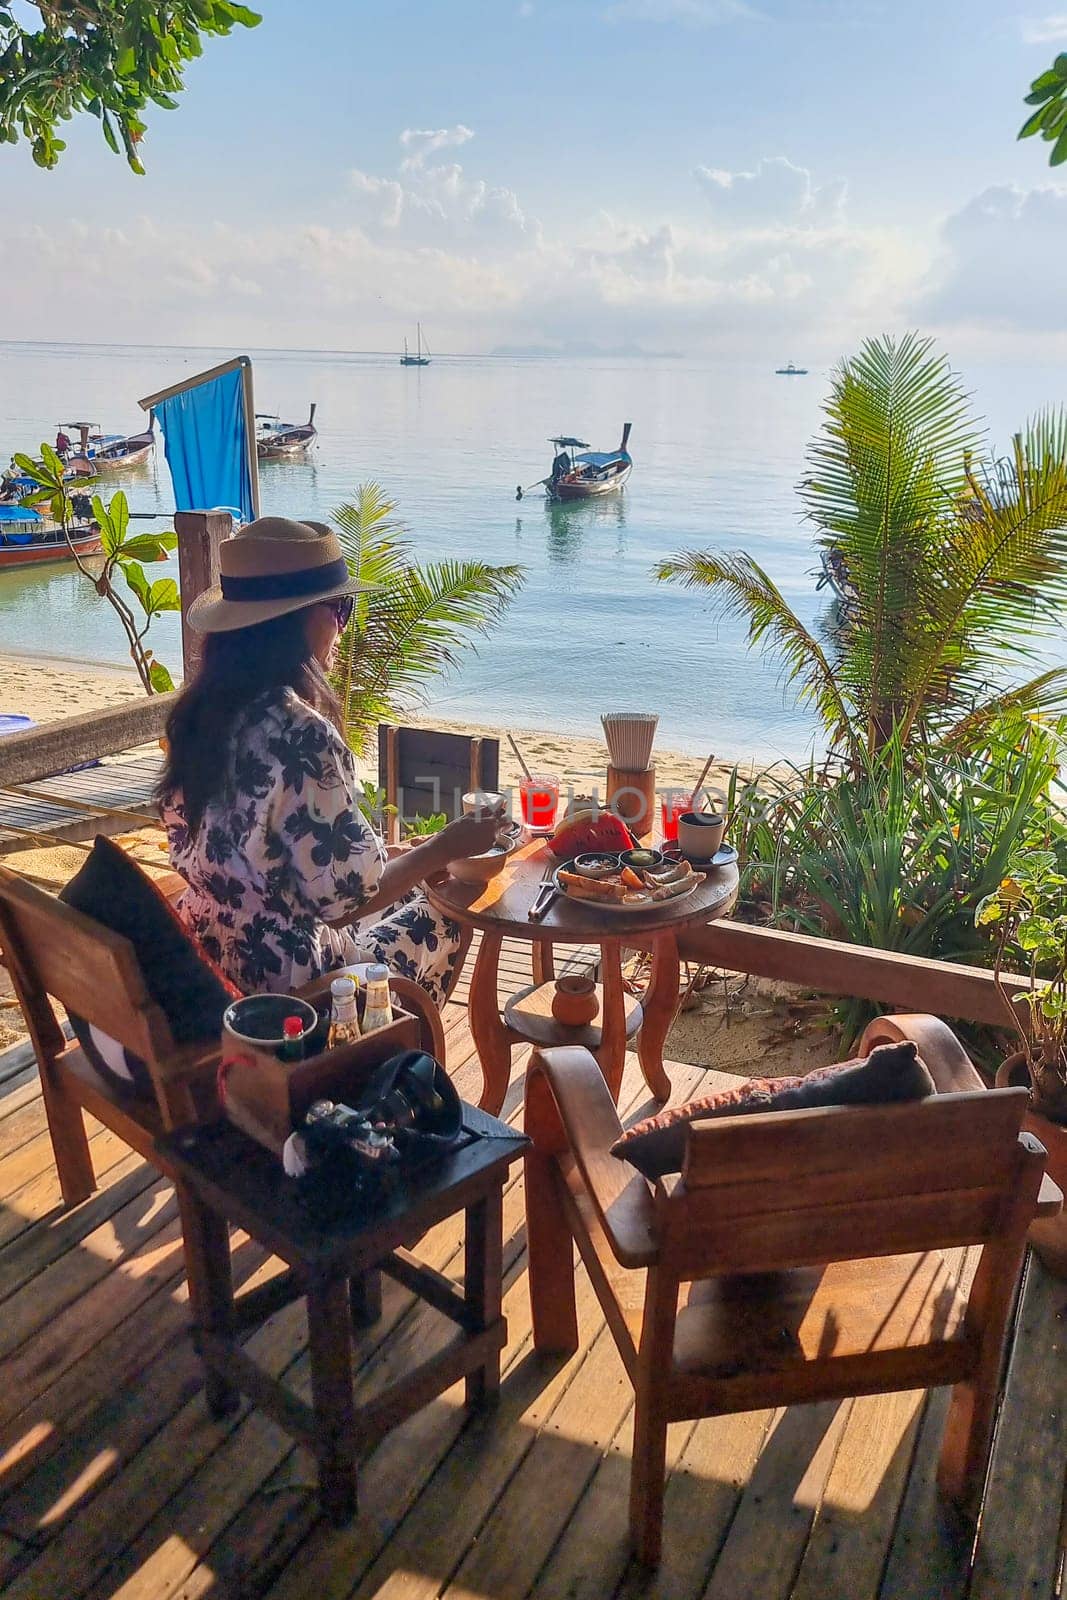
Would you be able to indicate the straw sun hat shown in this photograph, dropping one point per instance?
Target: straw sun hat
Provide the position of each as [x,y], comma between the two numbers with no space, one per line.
[272,567]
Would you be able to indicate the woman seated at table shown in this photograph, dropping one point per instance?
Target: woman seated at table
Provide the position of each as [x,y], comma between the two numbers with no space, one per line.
[259,794]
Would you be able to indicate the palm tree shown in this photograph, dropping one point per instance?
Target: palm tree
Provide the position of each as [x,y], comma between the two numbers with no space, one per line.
[414,624]
[958,563]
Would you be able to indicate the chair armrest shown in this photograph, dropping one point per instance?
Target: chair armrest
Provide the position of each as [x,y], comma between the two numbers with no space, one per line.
[948,1063]
[620,1197]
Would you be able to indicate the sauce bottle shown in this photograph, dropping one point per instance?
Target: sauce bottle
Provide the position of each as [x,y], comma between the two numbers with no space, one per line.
[344,1018]
[378,1011]
[292,1048]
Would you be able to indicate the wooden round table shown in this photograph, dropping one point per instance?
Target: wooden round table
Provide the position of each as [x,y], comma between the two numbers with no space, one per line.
[501,910]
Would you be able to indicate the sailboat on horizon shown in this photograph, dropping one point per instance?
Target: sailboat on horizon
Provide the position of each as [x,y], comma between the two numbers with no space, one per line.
[418,360]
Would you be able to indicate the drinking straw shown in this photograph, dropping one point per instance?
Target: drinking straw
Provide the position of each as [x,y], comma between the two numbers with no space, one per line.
[700,781]
[519,759]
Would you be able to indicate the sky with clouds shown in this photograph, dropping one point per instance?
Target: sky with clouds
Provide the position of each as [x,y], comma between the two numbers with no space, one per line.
[748,177]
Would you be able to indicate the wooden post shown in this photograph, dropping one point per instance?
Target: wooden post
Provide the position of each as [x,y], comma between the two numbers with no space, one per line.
[199,535]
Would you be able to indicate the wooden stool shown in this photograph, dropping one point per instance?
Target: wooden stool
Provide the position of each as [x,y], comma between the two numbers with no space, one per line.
[224,1178]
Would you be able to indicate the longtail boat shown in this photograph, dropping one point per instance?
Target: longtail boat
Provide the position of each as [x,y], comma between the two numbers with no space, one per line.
[27,540]
[589,474]
[106,452]
[277,440]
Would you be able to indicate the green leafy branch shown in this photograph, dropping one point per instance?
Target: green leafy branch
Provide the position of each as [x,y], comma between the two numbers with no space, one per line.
[107,58]
[123,552]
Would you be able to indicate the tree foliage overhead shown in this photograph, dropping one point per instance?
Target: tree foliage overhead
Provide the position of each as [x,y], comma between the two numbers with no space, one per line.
[957,563]
[1049,94]
[109,58]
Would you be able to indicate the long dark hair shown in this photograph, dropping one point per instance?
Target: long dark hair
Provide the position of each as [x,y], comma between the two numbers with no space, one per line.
[235,669]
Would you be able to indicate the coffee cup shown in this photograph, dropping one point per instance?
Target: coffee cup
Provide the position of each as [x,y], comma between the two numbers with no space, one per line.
[483,802]
[700,834]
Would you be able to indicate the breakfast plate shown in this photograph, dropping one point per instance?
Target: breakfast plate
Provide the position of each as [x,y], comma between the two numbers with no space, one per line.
[626,890]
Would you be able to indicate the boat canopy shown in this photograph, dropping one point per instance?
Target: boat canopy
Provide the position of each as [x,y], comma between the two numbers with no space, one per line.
[19,514]
[602,458]
[570,444]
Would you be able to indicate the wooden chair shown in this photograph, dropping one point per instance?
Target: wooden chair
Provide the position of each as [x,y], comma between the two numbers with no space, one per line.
[812,1241]
[423,771]
[56,954]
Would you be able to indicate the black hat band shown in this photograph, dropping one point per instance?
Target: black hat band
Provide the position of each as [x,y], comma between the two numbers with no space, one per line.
[286,585]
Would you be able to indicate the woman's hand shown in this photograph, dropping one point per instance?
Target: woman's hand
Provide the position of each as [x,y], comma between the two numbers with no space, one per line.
[471,835]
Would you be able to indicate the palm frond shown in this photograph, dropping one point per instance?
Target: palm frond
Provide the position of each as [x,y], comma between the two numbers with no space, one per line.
[744,590]
[415,623]
[1035,701]
[883,475]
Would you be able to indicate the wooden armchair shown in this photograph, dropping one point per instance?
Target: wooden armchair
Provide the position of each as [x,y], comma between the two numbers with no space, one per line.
[813,1245]
[56,954]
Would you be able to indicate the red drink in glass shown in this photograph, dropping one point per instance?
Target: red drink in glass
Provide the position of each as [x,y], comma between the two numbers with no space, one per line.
[675,804]
[539,797]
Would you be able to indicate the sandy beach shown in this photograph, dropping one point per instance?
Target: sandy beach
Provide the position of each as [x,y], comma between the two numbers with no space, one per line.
[47,689]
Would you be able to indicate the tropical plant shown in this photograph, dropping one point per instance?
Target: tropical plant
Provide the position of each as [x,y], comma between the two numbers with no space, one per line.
[897,851]
[424,827]
[108,58]
[123,553]
[1049,94]
[1026,911]
[957,563]
[412,625]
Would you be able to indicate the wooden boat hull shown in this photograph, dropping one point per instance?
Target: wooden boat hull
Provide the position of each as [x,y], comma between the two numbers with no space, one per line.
[284,449]
[119,463]
[591,490]
[41,551]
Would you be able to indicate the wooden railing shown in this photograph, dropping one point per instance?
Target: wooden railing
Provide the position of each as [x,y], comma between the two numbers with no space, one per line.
[910,983]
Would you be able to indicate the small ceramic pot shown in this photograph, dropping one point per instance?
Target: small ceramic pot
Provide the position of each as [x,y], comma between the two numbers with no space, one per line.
[575,1002]
[1048,1235]
[700,834]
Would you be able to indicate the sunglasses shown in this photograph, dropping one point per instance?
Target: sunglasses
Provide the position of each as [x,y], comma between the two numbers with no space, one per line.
[342,610]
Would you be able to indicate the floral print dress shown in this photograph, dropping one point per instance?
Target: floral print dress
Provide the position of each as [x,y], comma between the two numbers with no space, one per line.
[289,851]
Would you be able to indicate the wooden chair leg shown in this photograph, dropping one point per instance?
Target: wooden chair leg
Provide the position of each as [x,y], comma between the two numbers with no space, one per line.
[550,1259]
[70,1142]
[647,1476]
[961,1470]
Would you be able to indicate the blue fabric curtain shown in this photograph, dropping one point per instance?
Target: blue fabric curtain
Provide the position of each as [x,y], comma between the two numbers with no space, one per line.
[206,440]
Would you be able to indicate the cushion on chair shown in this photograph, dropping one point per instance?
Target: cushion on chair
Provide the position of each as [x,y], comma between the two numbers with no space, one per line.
[190,991]
[891,1072]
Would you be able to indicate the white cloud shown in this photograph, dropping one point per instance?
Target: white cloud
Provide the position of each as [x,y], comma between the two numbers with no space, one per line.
[997,264]
[432,201]
[1045,30]
[776,191]
[425,142]
[692,13]
[777,260]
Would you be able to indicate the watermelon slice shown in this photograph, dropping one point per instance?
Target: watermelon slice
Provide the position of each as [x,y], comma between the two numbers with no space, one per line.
[587,831]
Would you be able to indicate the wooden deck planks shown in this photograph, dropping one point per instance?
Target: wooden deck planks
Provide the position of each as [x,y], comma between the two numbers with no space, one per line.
[115,1482]
[1015,1558]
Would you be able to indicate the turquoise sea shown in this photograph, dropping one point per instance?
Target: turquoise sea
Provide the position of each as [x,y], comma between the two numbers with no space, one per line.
[718,450]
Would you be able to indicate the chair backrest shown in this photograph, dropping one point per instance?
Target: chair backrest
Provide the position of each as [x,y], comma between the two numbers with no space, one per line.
[424,771]
[803,1188]
[55,951]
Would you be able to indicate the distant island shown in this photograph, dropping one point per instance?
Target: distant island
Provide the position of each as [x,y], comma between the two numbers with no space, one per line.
[582,348]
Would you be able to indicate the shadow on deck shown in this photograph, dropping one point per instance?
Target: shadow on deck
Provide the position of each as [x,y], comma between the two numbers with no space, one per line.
[113,1480]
